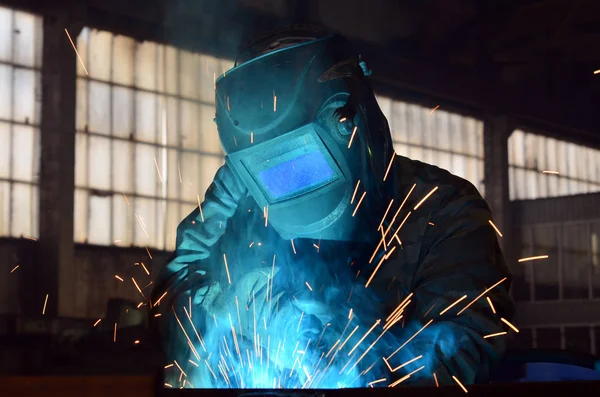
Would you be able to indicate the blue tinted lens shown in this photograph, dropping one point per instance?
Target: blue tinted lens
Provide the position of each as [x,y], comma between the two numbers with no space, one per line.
[305,172]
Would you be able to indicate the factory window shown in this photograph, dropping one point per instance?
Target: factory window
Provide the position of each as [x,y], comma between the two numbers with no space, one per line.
[546,167]
[447,140]
[146,147]
[20,106]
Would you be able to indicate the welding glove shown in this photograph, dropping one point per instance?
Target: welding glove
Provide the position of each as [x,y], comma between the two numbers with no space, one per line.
[197,234]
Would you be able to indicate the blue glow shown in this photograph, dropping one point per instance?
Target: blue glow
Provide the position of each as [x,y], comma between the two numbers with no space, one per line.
[299,175]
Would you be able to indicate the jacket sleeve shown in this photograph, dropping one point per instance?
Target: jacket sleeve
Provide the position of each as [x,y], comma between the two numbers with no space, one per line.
[197,234]
[460,256]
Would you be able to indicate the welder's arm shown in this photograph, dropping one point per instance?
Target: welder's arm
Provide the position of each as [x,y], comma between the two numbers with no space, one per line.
[461,256]
[199,231]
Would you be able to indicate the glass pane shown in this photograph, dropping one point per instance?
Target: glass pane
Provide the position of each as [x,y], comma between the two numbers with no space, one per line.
[122,221]
[548,338]
[208,169]
[159,227]
[145,228]
[546,271]
[23,143]
[99,163]
[400,121]
[122,112]
[188,74]
[6,82]
[208,132]
[145,66]
[99,49]
[459,168]
[25,39]
[5,150]
[25,96]
[172,220]
[385,104]
[146,176]
[401,149]
[578,340]
[6,34]
[190,164]
[81,160]
[81,110]
[24,210]
[4,207]
[122,60]
[80,217]
[172,114]
[171,70]
[146,117]
[517,148]
[83,42]
[122,167]
[173,181]
[190,138]
[413,125]
[99,218]
[210,70]
[99,111]
[576,261]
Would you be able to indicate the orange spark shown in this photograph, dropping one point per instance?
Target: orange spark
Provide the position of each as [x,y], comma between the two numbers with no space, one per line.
[482,294]
[505,321]
[159,299]
[45,303]
[551,172]
[411,338]
[389,166]
[145,269]
[118,278]
[494,335]
[97,322]
[115,334]
[308,285]
[495,228]
[359,202]
[148,251]
[352,136]
[460,384]
[354,194]
[436,381]
[491,304]
[434,109]
[76,52]
[533,258]
[385,215]
[426,197]
[14,268]
[452,305]
[293,247]
[227,268]
[406,363]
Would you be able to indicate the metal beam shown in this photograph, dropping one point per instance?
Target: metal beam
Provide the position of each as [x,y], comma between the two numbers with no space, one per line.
[554,314]
[496,130]
[53,273]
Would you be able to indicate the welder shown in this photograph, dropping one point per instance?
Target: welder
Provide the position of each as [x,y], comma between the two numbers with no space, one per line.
[311,178]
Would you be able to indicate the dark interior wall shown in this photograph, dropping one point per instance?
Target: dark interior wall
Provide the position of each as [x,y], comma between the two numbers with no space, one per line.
[94,278]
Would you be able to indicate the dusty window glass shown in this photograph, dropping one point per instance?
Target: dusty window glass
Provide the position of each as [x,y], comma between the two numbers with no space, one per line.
[146,144]
[20,108]
[543,167]
[448,140]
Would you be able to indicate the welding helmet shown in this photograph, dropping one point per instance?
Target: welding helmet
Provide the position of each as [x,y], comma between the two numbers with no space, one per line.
[300,127]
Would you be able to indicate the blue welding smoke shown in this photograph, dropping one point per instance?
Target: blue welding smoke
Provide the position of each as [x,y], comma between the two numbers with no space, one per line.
[294,316]
[285,319]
